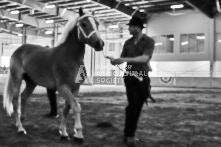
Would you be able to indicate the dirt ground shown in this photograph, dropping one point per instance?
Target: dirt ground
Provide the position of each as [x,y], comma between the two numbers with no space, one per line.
[180,118]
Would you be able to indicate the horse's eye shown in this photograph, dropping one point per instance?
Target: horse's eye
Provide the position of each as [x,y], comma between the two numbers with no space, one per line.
[83,25]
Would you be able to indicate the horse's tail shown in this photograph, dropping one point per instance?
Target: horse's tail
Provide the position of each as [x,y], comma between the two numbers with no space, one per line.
[8,95]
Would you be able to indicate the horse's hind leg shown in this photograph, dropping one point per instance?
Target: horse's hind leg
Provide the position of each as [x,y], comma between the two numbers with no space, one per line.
[29,88]
[17,80]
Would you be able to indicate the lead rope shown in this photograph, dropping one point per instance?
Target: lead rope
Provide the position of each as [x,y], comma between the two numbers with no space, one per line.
[127,72]
[134,75]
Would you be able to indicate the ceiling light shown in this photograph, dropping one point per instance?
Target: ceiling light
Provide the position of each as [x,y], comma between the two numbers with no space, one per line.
[79,2]
[218,6]
[139,2]
[15,44]
[32,11]
[113,26]
[177,6]
[48,32]
[63,11]
[158,44]
[14,12]
[49,21]
[175,13]
[3,20]
[18,25]
[50,6]
[171,39]
[200,37]
[147,6]
[11,22]
[185,43]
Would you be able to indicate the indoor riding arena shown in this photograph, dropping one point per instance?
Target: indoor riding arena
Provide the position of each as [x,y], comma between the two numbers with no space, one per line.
[183,106]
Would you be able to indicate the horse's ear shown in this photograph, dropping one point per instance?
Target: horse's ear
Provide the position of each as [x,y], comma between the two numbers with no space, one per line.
[81,11]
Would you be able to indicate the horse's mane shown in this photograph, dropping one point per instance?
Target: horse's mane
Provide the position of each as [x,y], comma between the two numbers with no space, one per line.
[68,27]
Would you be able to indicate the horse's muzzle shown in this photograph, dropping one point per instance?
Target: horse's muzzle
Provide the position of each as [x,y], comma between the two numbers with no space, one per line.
[99,45]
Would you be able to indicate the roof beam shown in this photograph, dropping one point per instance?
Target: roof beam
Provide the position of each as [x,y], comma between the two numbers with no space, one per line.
[113,4]
[29,31]
[202,6]
[26,19]
[41,7]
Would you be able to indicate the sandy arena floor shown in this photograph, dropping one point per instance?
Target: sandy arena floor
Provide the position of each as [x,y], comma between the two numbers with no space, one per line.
[180,118]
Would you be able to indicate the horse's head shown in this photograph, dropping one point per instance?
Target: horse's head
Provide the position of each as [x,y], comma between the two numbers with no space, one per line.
[88,31]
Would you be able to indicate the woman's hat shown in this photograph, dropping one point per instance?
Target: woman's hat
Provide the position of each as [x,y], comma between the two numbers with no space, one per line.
[136,21]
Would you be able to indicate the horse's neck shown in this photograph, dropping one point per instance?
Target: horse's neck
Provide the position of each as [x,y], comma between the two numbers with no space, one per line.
[72,48]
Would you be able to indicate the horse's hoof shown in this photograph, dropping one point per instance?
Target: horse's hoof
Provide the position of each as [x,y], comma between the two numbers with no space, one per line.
[52,116]
[22,132]
[64,138]
[79,140]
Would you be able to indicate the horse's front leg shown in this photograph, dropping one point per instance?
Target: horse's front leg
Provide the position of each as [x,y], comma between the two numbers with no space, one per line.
[71,102]
[77,115]
[78,126]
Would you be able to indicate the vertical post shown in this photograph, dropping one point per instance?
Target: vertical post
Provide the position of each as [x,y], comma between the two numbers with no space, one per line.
[211,51]
[91,79]
[55,35]
[94,63]
[24,37]
[106,37]
[91,72]
[2,53]
[2,48]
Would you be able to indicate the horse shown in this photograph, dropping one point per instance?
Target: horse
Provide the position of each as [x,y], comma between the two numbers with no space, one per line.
[56,68]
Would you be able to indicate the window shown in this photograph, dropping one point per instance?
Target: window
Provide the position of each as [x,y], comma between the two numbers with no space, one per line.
[192,43]
[111,46]
[164,44]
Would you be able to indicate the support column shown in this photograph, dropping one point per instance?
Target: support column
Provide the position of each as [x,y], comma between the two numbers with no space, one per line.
[55,35]
[2,53]
[24,37]
[92,62]
[211,47]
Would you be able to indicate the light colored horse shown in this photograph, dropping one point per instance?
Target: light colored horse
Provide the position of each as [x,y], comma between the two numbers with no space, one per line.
[56,68]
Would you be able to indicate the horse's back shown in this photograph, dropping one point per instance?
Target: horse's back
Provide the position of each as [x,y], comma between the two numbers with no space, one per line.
[27,52]
[20,54]
[28,49]
[36,62]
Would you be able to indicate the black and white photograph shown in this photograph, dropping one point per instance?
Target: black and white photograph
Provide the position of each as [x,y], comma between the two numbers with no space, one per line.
[110,73]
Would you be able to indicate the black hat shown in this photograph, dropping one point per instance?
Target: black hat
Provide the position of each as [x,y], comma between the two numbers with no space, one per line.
[136,21]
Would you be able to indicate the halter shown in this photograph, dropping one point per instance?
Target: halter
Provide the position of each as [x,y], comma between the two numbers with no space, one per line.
[82,31]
